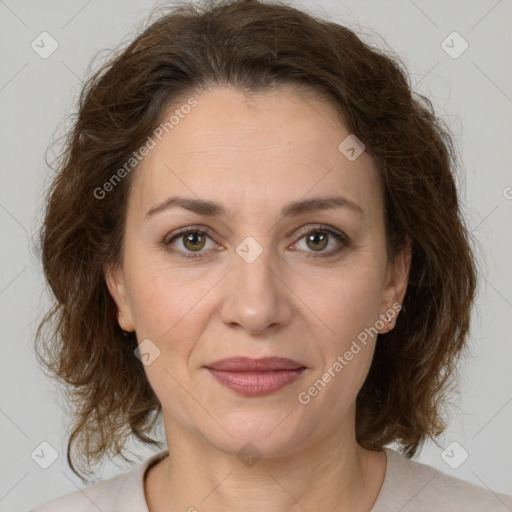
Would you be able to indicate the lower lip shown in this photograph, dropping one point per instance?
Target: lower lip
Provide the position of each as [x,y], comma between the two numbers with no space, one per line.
[256,383]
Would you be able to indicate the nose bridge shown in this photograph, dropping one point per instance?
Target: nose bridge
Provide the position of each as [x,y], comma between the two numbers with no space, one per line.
[256,299]
[255,267]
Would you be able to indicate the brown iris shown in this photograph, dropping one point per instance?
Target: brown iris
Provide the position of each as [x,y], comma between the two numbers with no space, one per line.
[192,239]
[319,240]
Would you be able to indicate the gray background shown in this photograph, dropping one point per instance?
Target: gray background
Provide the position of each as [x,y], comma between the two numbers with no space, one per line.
[471,92]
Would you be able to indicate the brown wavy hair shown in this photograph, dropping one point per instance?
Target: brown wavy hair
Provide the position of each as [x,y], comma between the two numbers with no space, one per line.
[255,47]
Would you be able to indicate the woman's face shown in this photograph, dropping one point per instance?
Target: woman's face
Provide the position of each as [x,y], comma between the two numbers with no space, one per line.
[251,282]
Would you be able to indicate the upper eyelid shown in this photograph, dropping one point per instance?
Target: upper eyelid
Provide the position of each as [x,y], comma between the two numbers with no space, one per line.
[318,227]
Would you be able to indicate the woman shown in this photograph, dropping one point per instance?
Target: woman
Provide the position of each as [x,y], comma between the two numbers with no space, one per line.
[255,232]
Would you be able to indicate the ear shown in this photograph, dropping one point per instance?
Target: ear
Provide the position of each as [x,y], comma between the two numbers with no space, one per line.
[395,285]
[114,277]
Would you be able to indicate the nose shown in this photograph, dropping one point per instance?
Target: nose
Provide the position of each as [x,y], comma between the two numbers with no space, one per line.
[256,296]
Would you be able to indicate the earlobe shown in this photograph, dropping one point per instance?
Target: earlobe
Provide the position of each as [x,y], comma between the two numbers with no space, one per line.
[115,281]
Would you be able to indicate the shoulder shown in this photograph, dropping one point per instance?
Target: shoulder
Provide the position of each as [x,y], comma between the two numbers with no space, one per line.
[122,493]
[412,486]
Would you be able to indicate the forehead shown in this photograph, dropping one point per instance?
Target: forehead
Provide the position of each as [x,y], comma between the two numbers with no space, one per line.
[269,148]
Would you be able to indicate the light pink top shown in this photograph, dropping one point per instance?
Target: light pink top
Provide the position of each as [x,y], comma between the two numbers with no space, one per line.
[409,486]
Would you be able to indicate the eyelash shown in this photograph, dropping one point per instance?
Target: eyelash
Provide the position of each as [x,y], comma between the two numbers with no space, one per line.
[339,237]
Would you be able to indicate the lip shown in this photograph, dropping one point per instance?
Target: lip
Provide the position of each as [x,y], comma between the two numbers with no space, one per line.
[256,377]
[247,364]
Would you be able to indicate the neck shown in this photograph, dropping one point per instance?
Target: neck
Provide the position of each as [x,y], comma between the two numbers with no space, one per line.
[335,474]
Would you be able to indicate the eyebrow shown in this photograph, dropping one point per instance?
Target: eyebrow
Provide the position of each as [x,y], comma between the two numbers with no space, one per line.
[213,209]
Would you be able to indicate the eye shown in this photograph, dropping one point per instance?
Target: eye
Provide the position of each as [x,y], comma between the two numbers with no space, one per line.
[316,239]
[192,240]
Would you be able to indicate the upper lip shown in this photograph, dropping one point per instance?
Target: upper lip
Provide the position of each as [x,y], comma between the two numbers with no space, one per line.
[247,364]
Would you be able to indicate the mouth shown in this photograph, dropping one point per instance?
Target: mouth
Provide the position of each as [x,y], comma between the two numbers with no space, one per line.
[255,377]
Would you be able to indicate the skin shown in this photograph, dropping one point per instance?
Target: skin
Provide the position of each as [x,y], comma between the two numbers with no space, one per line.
[254,155]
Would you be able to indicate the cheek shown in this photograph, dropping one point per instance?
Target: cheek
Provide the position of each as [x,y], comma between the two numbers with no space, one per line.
[348,309]
[346,305]
[345,301]
[170,310]
[169,305]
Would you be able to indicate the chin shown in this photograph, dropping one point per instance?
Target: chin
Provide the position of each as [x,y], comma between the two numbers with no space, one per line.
[270,435]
